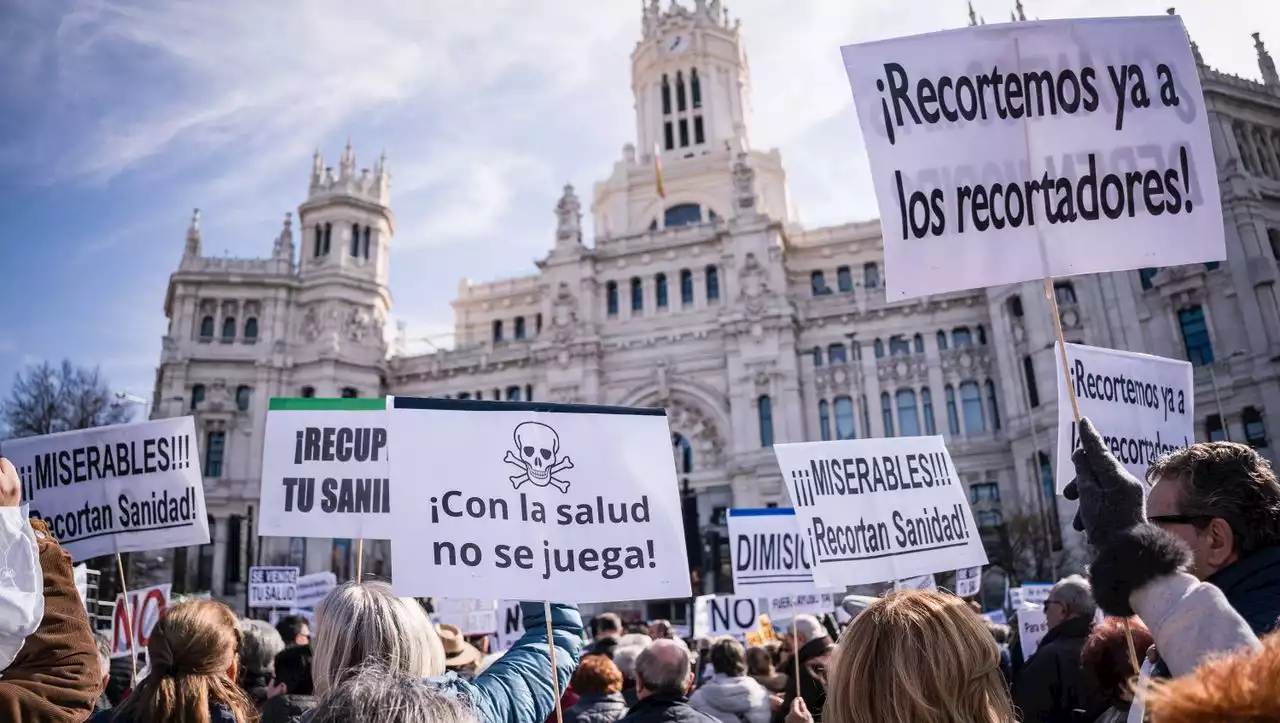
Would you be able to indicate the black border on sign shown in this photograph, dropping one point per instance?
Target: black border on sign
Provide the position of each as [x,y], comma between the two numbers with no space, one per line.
[473,405]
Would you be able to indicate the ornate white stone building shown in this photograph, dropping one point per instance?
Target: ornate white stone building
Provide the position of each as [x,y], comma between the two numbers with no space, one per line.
[714,302]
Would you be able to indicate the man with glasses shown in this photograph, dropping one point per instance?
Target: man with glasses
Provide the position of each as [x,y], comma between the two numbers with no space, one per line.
[1051,685]
[1223,500]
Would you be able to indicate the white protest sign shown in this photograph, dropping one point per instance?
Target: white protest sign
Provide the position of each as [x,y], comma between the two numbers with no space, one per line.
[1142,405]
[537,501]
[1032,628]
[315,587]
[325,471]
[996,616]
[1034,593]
[471,616]
[770,557]
[880,509]
[146,605]
[715,615]
[80,574]
[968,581]
[919,582]
[273,587]
[120,488]
[1015,598]
[510,624]
[1015,151]
[783,607]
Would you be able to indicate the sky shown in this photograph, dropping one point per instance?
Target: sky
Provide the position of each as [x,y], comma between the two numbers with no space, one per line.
[120,117]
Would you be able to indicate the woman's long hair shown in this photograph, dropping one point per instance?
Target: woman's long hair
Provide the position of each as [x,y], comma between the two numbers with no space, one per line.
[362,623]
[917,656]
[192,650]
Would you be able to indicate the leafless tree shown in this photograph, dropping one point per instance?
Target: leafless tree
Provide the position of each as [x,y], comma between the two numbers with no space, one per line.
[47,399]
[1031,549]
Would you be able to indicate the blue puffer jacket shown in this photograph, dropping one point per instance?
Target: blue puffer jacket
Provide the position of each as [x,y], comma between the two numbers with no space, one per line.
[517,687]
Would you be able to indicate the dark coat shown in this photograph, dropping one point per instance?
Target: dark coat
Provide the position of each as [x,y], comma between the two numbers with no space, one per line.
[665,708]
[1252,586]
[218,713]
[287,708]
[1051,685]
[811,689]
[595,708]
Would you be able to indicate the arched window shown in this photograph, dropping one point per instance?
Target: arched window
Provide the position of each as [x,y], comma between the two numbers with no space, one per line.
[680,102]
[319,241]
[871,275]
[992,405]
[1015,306]
[243,394]
[824,419]
[197,396]
[899,346]
[836,354]
[229,328]
[684,452]
[908,415]
[1064,292]
[350,393]
[214,448]
[817,356]
[497,329]
[917,343]
[1214,429]
[513,394]
[666,97]
[713,284]
[764,409]
[971,404]
[367,235]
[926,401]
[519,330]
[818,283]
[1255,430]
[355,240]
[844,418]
[886,411]
[844,279]
[660,290]
[251,329]
[1033,390]
[684,214]
[308,392]
[528,392]
[1195,335]
[328,236]
[611,298]
[961,337]
[1051,498]
[879,345]
[695,88]
[686,287]
[637,295]
[206,328]
[953,417]
[942,341]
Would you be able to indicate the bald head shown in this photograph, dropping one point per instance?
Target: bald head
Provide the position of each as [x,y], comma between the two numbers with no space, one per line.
[663,668]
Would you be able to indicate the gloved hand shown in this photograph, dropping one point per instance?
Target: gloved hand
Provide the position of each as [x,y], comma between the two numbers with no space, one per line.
[1111,500]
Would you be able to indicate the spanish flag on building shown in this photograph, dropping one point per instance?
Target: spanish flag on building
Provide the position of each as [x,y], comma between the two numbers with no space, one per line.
[657,170]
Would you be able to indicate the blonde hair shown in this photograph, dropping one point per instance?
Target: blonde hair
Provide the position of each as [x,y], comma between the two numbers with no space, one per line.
[360,623]
[192,649]
[917,656]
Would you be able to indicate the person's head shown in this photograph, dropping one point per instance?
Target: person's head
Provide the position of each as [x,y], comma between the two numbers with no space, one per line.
[294,630]
[293,669]
[1070,598]
[1105,657]
[659,629]
[459,654]
[640,640]
[193,654]
[363,622]
[261,645]
[104,655]
[999,633]
[596,675]
[607,625]
[664,668]
[759,661]
[397,695]
[917,655]
[1220,498]
[808,628]
[624,657]
[728,657]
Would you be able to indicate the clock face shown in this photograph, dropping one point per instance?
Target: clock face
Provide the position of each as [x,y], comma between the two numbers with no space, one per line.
[677,44]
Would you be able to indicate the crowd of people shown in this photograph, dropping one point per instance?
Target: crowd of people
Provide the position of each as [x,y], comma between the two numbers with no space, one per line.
[1185,571]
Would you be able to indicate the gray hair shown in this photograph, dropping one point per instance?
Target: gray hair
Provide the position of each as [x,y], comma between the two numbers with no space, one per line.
[260,646]
[639,640]
[808,628]
[396,695]
[664,667]
[104,651]
[624,656]
[1076,596]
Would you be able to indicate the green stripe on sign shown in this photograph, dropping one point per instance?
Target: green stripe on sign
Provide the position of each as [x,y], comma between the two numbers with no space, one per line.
[322,404]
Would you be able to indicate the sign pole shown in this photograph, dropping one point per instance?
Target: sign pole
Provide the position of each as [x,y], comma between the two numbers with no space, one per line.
[795,643]
[360,559]
[130,624]
[551,650]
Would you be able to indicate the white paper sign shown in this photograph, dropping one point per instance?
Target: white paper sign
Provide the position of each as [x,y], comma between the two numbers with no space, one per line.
[770,557]
[880,509]
[510,626]
[996,616]
[469,615]
[315,587]
[136,621]
[968,581]
[1142,405]
[1015,598]
[919,582]
[784,607]
[273,587]
[120,488]
[325,471]
[1032,627]
[1034,593]
[715,615]
[570,503]
[1014,151]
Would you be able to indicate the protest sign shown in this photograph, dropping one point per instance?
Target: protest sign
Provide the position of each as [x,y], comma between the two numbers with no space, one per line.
[1034,593]
[1142,405]
[273,587]
[1015,151]
[968,581]
[510,626]
[920,582]
[715,615]
[538,501]
[784,607]
[119,488]
[471,616]
[997,617]
[1032,628]
[325,471]
[314,587]
[80,574]
[880,509]
[769,554]
[146,605]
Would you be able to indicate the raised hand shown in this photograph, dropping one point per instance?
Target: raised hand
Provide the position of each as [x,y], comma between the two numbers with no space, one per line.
[1112,501]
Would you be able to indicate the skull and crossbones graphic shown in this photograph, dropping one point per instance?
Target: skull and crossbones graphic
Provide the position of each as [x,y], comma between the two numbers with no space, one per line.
[538,454]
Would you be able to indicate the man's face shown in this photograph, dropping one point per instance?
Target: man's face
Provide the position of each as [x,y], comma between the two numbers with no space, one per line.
[1055,613]
[304,636]
[1210,551]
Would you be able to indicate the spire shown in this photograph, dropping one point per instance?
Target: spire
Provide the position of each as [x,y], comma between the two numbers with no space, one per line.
[193,236]
[1012,18]
[284,242]
[1022,15]
[347,166]
[1265,63]
[317,169]
[1195,49]
[569,217]
[973,17]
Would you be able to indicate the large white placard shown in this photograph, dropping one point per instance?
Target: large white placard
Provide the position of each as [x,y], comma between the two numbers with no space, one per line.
[1034,593]
[325,471]
[134,622]
[1014,151]
[770,557]
[1032,627]
[315,587]
[968,581]
[121,488]
[715,615]
[570,503]
[510,624]
[919,582]
[471,616]
[880,509]
[273,587]
[1142,405]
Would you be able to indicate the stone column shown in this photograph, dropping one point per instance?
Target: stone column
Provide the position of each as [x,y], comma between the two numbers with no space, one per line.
[218,536]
